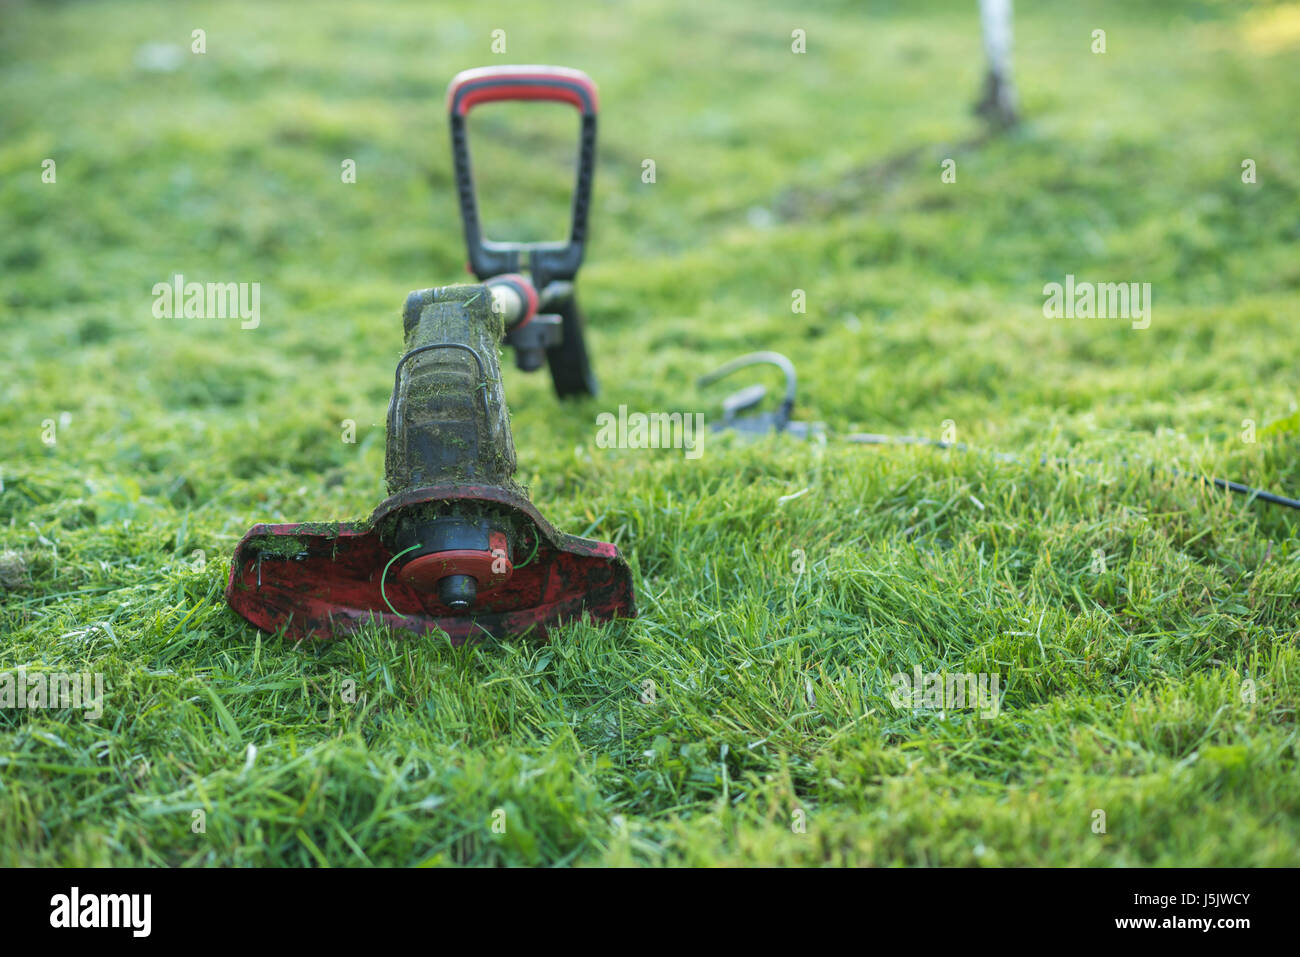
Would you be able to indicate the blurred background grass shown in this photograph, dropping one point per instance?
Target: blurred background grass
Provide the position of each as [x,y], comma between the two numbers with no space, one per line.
[774,172]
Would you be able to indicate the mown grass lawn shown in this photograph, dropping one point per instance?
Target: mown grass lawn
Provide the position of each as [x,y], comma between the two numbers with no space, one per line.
[1143,628]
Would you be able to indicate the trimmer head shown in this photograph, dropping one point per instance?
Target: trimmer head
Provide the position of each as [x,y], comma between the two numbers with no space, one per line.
[322,582]
[456,546]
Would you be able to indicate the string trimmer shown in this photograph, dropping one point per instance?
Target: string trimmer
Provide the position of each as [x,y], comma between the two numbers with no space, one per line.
[457,545]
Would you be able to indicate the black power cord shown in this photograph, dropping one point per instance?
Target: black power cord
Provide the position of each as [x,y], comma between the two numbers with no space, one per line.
[871,438]
[780,422]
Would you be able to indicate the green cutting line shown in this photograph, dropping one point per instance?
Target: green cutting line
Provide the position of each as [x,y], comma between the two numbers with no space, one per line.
[537,540]
[382,593]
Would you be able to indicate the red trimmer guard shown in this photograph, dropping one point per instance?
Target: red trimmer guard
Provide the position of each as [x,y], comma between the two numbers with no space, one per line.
[316,581]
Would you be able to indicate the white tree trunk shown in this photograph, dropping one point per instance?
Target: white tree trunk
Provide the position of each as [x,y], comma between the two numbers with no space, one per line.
[998,104]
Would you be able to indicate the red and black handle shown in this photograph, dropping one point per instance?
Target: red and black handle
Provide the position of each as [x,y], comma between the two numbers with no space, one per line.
[548,261]
[553,265]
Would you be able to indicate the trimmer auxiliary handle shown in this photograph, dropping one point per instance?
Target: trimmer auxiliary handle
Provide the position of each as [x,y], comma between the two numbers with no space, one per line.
[553,266]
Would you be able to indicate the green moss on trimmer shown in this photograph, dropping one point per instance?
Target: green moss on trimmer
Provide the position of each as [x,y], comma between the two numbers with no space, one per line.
[450,424]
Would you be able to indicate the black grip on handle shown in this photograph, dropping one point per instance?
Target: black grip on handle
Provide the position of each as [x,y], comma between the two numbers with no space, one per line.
[547,261]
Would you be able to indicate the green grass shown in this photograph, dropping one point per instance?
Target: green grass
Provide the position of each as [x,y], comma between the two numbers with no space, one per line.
[1125,685]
